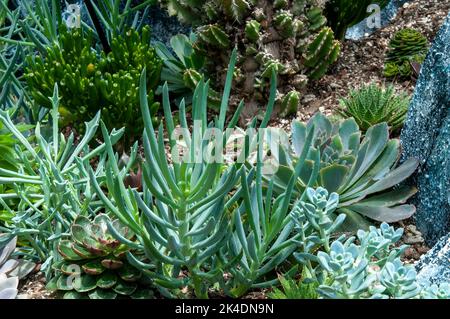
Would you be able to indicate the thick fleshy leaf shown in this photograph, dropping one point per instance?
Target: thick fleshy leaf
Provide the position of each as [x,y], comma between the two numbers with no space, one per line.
[74,295]
[70,269]
[81,251]
[394,197]
[24,268]
[8,266]
[79,233]
[7,250]
[107,280]
[85,283]
[65,282]
[129,273]
[102,294]
[385,214]
[66,251]
[331,177]
[8,293]
[125,288]
[112,263]
[94,267]
[143,294]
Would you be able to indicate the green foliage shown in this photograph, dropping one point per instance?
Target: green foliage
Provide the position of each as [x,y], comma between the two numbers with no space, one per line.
[342,14]
[292,289]
[362,172]
[322,52]
[372,105]
[180,217]
[290,103]
[50,186]
[261,239]
[90,82]
[288,37]
[407,46]
[183,71]
[94,263]
[365,266]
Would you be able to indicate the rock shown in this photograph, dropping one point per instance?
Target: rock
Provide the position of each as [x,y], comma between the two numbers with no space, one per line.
[434,267]
[362,29]
[426,136]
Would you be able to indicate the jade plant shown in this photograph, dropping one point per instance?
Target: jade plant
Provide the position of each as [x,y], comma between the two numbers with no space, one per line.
[94,263]
[361,169]
[288,37]
[49,187]
[371,105]
[406,47]
[91,81]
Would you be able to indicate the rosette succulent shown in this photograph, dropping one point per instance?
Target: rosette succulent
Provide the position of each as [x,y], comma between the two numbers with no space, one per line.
[372,105]
[406,47]
[11,269]
[362,170]
[94,263]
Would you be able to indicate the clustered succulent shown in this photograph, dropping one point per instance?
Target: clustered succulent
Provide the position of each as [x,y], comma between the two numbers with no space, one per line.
[372,104]
[91,81]
[94,263]
[288,37]
[361,267]
[408,46]
[11,269]
[362,170]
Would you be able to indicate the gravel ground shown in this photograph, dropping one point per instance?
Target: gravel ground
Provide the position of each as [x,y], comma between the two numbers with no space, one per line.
[362,61]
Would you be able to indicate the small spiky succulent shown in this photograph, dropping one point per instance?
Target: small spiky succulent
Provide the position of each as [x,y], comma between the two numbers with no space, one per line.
[373,104]
[94,263]
[288,37]
[406,47]
[90,81]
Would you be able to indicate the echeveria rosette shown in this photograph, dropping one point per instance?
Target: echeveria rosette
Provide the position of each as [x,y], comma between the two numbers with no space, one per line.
[362,170]
[94,263]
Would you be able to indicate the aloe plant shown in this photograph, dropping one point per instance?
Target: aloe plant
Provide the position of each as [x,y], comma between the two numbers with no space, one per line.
[362,171]
[372,105]
[94,263]
[51,183]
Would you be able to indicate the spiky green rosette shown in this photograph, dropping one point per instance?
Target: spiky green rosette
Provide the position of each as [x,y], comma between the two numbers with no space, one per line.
[373,105]
[89,81]
[407,45]
[94,264]
[288,37]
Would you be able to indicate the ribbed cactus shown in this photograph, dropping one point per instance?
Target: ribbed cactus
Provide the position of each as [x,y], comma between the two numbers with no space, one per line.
[322,52]
[290,103]
[90,81]
[286,36]
[407,45]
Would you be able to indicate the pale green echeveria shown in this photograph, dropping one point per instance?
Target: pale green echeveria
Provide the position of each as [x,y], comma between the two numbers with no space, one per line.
[361,169]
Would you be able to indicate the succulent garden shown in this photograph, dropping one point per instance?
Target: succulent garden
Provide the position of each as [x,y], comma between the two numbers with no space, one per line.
[183,149]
